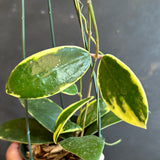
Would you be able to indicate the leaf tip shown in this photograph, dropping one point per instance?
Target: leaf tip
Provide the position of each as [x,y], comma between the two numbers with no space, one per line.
[54,138]
[145,127]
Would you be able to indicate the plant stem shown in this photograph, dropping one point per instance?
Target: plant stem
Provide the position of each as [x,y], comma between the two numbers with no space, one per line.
[91,11]
[98,114]
[92,16]
[114,143]
[88,95]
[79,15]
[24,56]
[53,39]
[87,46]
[80,89]
[89,30]
[91,74]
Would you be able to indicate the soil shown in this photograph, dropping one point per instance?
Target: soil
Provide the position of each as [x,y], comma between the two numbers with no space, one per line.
[51,152]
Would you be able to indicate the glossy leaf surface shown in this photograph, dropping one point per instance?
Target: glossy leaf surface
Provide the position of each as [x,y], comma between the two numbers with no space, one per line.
[72,90]
[87,147]
[65,115]
[46,112]
[122,91]
[107,120]
[92,112]
[15,131]
[48,72]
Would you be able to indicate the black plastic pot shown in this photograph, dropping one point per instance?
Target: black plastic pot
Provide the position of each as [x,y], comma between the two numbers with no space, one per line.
[22,150]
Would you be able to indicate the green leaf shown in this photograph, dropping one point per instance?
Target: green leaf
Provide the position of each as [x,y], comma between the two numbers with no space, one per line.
[87,147]
[65,115]
[48,72]
[71,127]
[46,112]
[92,112]
[107,120]
[15,131]
[72,90]
[122,91]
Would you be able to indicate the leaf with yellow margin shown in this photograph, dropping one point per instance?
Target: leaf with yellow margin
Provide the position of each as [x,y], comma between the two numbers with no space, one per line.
[48,72]
[122,91]
[66,115]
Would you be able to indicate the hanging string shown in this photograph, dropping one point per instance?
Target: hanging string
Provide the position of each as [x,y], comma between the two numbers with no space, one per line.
[53,39]
[23,31]
[24,56]
[51,23]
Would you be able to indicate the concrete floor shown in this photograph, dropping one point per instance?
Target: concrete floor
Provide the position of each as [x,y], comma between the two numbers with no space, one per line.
[129,30]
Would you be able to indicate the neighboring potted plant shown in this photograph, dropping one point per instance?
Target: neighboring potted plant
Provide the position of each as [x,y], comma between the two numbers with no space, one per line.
[64,133]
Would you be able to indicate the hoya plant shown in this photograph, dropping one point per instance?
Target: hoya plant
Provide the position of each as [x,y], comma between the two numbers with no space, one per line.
[76,129]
